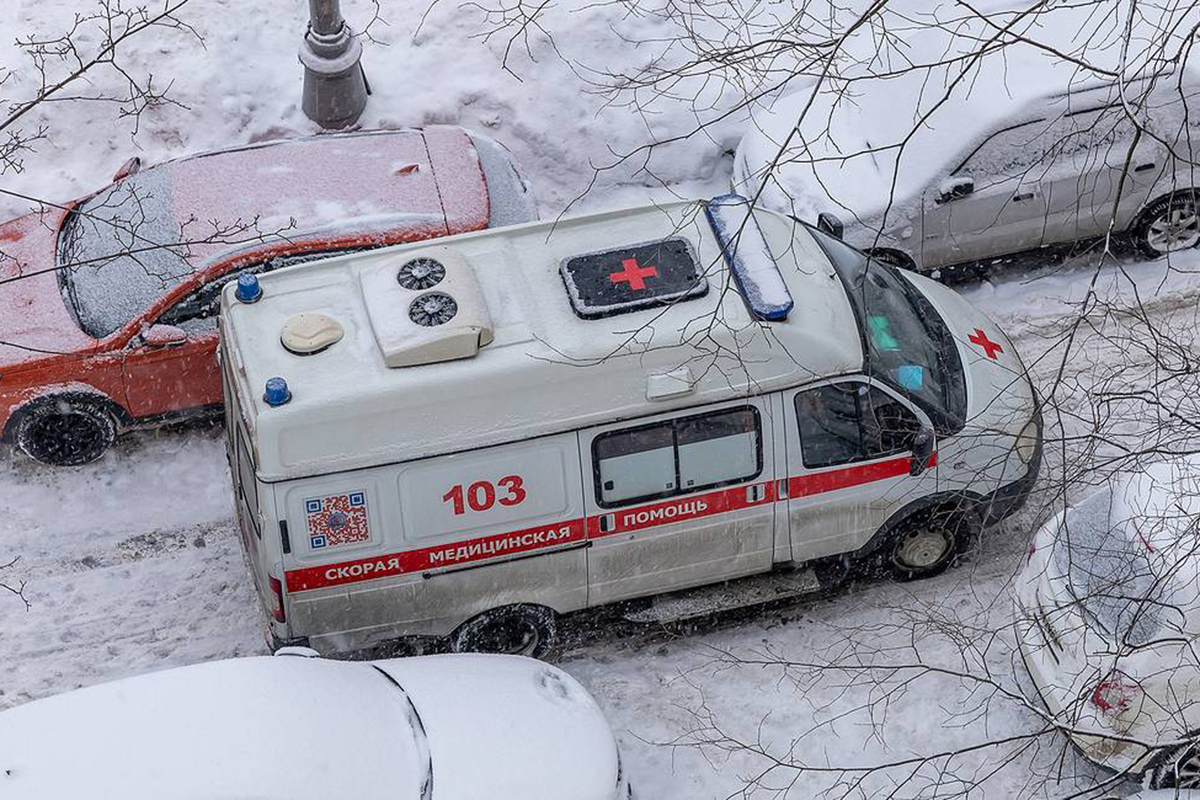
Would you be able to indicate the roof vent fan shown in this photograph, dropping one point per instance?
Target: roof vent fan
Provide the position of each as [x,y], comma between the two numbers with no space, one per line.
[432,309]
[415,323]
[420,274]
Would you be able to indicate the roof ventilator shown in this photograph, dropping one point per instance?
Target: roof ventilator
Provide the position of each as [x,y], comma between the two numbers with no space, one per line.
[309,334]
[754,268]
[426,307]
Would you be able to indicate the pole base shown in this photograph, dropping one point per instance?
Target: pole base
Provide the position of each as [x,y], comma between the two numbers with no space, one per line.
[335,88]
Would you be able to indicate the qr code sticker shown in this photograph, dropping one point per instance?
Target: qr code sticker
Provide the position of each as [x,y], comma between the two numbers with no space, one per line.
[337,519]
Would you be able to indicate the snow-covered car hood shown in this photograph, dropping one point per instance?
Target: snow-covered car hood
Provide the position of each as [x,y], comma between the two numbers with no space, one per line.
[34,319]
[504,726]
[267,728]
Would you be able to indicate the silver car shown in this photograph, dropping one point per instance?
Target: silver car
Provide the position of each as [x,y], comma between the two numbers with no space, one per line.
[1005,169]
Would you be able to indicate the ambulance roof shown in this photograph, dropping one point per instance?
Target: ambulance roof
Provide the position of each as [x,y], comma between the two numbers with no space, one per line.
[573,345]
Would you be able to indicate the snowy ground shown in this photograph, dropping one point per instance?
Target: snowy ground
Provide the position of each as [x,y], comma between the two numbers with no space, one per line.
[132,563]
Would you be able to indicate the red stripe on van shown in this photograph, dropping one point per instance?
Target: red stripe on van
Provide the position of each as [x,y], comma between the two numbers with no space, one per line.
[681,509]
[625,520]
[846,477]
[501,544]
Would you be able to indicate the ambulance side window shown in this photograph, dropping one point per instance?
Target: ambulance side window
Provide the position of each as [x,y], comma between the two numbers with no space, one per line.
[718,448]
[847,422]
[635,463]
[677,457]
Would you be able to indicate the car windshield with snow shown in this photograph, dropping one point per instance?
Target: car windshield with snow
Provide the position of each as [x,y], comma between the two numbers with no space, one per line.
[677,396]
[121,250]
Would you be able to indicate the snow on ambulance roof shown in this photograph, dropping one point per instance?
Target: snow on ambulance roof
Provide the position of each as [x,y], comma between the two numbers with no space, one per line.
[942,82]
[548,368]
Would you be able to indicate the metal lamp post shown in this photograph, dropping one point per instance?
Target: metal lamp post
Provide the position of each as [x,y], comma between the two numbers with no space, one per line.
[335,88]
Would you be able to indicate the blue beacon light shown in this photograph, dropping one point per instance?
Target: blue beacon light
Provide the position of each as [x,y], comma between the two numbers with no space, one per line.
[248,290]
[277,392]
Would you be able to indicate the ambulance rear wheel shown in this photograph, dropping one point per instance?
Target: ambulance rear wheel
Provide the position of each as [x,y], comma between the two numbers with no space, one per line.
[928,542]
[523,630]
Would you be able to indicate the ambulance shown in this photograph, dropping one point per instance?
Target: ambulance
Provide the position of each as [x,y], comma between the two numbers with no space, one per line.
[457,442]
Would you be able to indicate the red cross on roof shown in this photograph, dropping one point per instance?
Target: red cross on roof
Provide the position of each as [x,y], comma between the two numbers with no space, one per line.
[634,274]
[980,338]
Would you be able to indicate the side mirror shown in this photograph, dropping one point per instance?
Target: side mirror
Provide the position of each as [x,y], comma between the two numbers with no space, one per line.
[130,167]
[955,188]
[163,336]
[828,223]
[923,442]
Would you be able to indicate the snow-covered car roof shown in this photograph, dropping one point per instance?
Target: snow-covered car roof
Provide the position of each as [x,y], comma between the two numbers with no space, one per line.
[295,728]
[904,117]
[382,186]
[548,369]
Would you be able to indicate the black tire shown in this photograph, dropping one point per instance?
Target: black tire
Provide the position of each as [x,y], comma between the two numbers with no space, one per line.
[1169,225]
[1177,769]
[929,541]
[66,430]
[893,258]
[524,630]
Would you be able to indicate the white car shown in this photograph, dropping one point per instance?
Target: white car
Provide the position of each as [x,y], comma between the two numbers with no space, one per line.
[458,727]
[1108,620]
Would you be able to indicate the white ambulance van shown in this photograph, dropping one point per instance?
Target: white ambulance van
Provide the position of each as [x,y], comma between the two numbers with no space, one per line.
[464,439]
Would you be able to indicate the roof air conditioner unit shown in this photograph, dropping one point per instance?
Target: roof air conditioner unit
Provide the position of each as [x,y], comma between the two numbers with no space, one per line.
[426,306]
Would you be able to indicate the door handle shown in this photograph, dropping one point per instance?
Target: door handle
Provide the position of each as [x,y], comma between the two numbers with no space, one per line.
[1144,167]
[1021,198]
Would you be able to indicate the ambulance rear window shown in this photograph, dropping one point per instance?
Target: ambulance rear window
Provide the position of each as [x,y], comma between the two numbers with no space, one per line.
[633,278]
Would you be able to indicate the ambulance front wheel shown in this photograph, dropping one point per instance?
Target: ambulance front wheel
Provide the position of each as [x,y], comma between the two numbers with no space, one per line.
[929,542]
[523,630]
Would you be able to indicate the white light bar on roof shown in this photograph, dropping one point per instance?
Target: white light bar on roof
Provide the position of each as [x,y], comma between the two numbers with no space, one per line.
[754,269]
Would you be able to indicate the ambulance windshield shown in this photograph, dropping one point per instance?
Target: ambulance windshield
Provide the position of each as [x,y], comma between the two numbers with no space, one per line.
[908,346]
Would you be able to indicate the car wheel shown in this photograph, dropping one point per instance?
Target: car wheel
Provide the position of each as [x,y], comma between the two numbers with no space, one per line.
[66,431]
[1169,224]
[523,630]
[1178,769]
[928,542]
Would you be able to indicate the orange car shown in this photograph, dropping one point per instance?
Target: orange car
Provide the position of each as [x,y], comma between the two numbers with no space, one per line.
[108,304]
